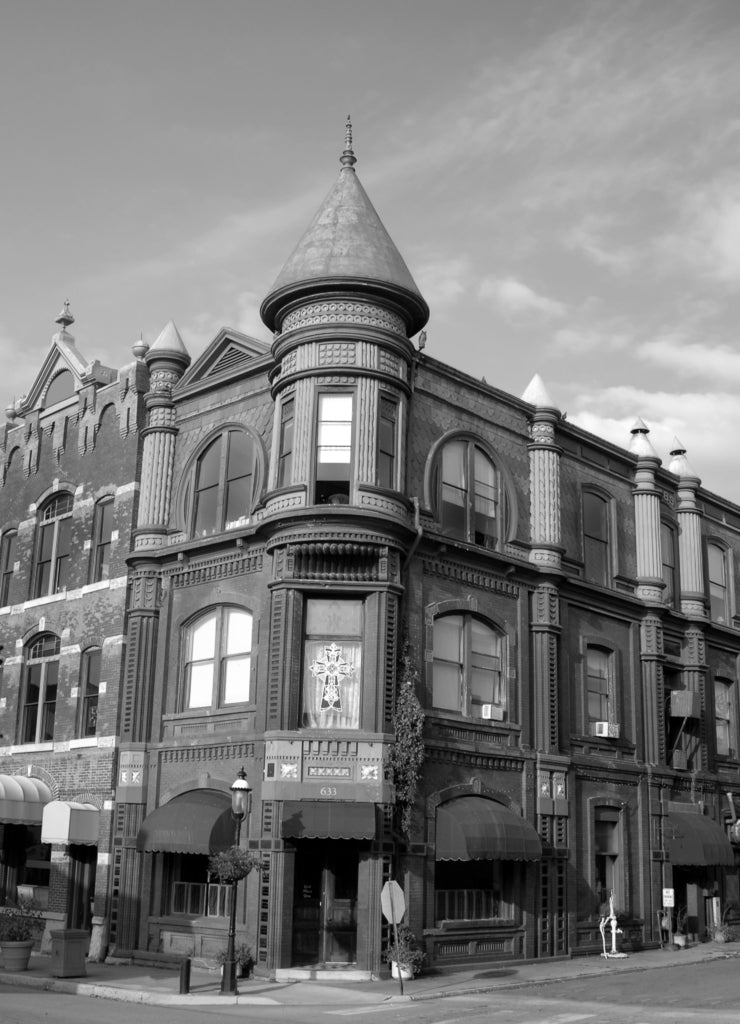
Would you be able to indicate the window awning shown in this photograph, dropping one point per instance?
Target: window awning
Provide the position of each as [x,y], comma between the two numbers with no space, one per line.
[22,799]
[692,838]
[65,821]
[199,821]
[473,828]
[325,819]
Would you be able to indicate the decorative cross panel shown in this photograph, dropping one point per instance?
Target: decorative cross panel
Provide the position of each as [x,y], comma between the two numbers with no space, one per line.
[331,669]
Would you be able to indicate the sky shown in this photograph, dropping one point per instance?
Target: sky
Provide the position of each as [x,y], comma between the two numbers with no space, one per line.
[561,177]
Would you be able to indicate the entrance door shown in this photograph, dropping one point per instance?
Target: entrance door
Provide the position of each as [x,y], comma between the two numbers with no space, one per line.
[325,902]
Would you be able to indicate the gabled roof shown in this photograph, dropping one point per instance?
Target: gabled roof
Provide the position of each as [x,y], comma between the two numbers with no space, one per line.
[228,354]
[346,244]
[63,355]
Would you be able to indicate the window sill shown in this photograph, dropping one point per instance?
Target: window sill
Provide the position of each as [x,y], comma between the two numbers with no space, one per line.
[27,748]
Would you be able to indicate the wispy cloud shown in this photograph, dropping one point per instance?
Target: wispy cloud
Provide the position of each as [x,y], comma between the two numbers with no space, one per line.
[442,280]
[514,298]
[693,360]
[583,339]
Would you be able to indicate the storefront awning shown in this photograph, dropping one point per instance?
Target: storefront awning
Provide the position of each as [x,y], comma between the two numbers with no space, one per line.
[199,821]
[324,819]
[65,821]
[22,799]
[473,828]
[691,838]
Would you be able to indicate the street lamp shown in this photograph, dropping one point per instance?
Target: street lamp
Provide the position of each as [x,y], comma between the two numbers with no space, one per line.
[239,810]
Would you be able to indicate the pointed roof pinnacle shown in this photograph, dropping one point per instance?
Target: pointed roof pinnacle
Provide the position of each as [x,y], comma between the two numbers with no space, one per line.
[348,158]
[640,444]
[346,248]
[536,394]
[65,318]
[679,464]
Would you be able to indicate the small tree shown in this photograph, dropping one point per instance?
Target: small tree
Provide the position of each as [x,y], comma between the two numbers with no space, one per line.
[407,753]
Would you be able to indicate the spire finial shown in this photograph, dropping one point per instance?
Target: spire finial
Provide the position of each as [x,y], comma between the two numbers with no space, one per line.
[348,158]
[65,318]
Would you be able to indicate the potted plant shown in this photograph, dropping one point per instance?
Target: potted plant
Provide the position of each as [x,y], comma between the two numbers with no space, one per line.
[406,955]
[725,932]
[18,926]
[243,957]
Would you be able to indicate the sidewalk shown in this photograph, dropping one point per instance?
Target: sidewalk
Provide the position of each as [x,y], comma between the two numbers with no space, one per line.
[159,986]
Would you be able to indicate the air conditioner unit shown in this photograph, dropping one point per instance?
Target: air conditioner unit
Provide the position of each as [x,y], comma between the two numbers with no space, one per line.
[608,729]
[685,704]
[492,712]
[679,761]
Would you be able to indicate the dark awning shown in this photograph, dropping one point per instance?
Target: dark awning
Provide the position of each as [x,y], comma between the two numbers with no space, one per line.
[325,819]
[473,828]
[22,799]
[691,838]
[199,821]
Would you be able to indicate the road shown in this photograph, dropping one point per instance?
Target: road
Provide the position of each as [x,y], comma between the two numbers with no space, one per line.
[696,994]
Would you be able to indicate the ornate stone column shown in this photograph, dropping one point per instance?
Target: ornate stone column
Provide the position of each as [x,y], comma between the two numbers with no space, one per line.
[544,479]
[693,597]
[650,582]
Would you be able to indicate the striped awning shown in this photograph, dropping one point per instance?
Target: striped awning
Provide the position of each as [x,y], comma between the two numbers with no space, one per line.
[65,821]
[199,821]
[474,828]
[328,819]
[22,799]
[693,839]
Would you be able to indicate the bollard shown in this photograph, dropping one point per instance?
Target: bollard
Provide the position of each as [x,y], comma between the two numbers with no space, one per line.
[185,976]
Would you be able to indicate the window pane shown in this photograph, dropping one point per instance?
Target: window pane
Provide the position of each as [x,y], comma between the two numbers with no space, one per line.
[485,500]
[595,555]
[333,618]
[200,693]
[203,638]
[236,679]
[448,638]
[206,511]
[446,685]
[238,499]
[594,516]
[335,429]
[209,465]
[238,628]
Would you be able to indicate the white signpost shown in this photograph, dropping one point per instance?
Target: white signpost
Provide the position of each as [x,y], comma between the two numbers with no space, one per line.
[393,905]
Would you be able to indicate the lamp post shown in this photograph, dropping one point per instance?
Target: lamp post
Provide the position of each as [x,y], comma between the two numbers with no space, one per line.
[239,810]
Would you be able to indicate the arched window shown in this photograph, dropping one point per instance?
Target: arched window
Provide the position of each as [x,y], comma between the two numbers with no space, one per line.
[8,558]
[61,388]
[102,539]
[596,538]
[719,605]
[471,503]
[222,488]
[53,545]
[38,705]
[218,659]
[89,692]
[467,670]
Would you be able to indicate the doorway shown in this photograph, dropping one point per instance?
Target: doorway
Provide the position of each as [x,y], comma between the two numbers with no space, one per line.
[325,902]
[83,860]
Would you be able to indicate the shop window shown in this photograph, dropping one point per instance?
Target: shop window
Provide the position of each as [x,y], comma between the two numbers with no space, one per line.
[285,454]
[719,610]
[607,878]
[387,442]
[25,864]
[332,664]
[8,558]
[668,549]
[471,890]
[53,545]
[333,449]
[596,554]
[89,692]
[41,673]
[725,716]
[220,494]
[471,501]
[102,538]
[218,659]
[467,669]
[191,891]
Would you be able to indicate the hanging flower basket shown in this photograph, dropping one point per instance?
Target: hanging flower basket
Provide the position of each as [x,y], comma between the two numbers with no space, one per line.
[233,864]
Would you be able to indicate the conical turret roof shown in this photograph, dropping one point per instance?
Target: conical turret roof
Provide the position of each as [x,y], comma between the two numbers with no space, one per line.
[346,247]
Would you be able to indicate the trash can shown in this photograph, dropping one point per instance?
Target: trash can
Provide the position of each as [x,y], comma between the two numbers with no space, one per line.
[68,951]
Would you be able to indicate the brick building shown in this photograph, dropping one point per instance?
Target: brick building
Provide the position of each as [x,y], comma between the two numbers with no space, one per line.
[308,511]
[68,491]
